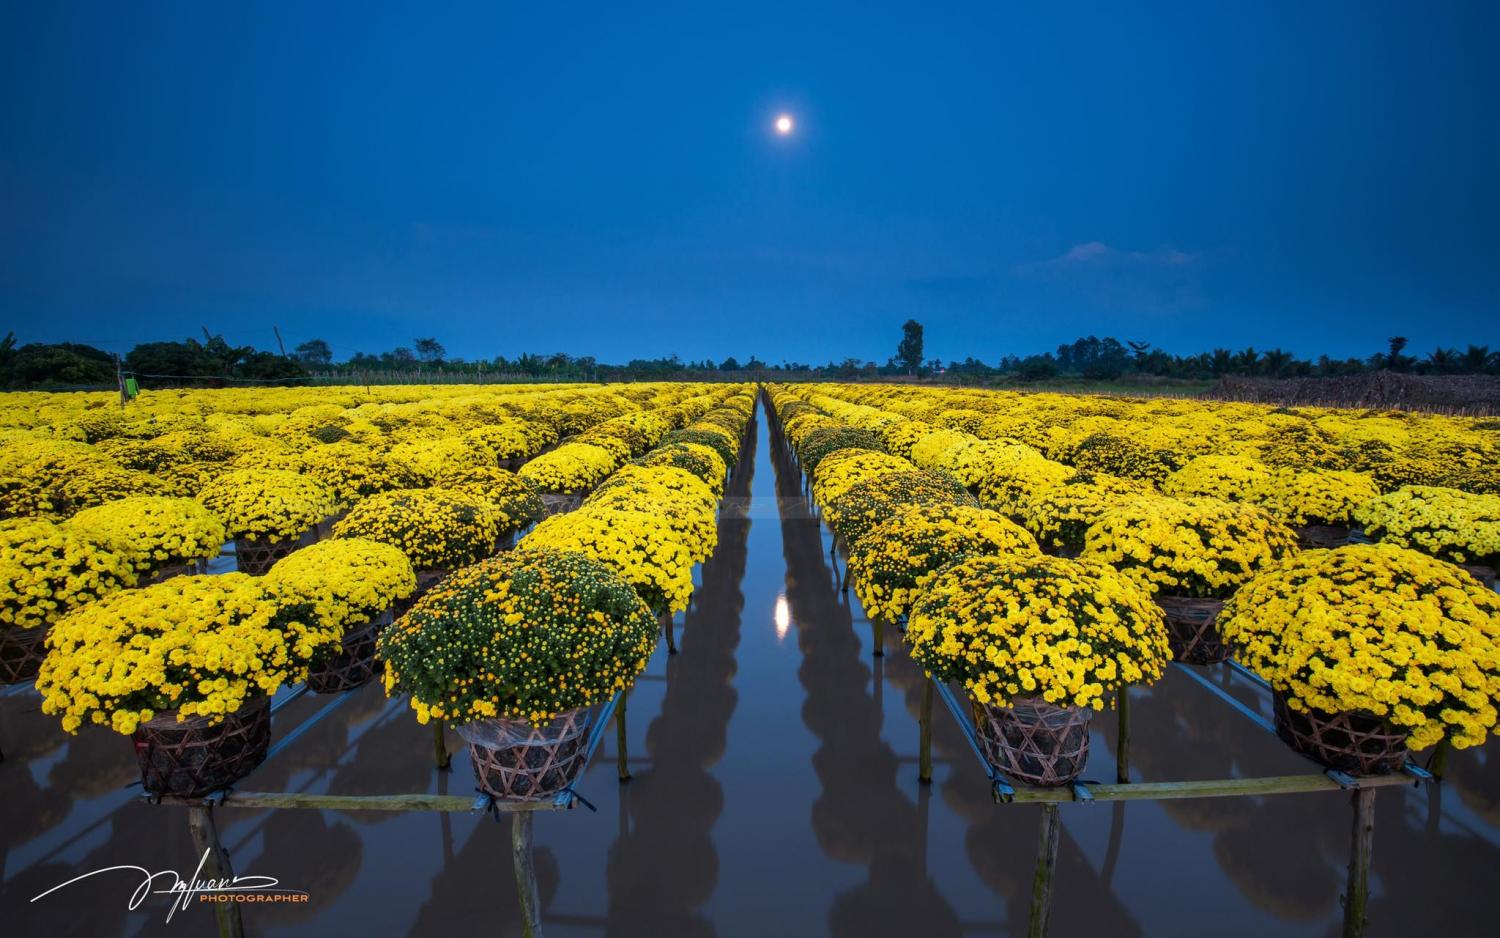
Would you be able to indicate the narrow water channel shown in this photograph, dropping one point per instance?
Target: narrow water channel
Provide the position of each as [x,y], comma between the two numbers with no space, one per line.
[774,792]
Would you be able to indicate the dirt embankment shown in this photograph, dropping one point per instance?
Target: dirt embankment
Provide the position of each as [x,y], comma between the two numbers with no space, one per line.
[1474,395]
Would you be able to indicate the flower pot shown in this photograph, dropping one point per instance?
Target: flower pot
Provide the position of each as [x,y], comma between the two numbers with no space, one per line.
[1320,536]
[256,556]
[353,664]
[1356,743]
[21,653]
[1192,629]
[517,760]
[195,757]
[556,503]
[1034,741]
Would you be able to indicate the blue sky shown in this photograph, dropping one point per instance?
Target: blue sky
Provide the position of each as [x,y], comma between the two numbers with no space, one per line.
[603,179]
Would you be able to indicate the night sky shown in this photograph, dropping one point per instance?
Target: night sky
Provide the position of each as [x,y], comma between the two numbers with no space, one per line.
[604,179]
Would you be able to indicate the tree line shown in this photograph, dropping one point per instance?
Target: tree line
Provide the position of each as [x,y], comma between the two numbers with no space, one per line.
[214,361]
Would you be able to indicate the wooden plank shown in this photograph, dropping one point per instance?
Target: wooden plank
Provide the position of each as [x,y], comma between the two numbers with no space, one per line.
[531,905]
[1208,788]
[316,802]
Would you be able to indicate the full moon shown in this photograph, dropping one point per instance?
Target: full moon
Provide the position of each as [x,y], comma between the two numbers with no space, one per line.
[784,124]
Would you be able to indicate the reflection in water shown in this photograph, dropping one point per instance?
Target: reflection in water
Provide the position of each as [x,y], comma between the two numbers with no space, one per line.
[863,815]
[826,807]
[664,866]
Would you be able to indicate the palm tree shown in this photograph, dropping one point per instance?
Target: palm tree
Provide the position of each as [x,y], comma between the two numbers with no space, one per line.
[1276,362]
[1442,361]
[1477,359]
[1248,361]
[1220,361]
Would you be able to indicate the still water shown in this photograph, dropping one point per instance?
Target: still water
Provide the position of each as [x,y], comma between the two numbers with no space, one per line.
[775,793]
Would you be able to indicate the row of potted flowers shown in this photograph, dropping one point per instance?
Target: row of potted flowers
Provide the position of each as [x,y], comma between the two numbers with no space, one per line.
[1147,575]
[193,660]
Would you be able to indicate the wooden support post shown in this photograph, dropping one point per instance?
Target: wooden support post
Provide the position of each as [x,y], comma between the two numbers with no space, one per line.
[1362,839]
[1122,743]
[531,906]
[1438,764]
[924,760]
[624,764]
[666,627]
[440,745]
[1046,869]
[878,624]
[215,866]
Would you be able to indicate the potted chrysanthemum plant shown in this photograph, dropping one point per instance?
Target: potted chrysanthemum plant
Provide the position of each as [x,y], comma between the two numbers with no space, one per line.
[517,651]
[1037,642]
[1191,555]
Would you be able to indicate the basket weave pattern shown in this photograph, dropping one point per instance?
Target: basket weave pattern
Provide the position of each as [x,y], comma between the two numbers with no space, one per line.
[557,503]
[1192,629]
[1034,741]
[516,760]
[195,757]
[256,557]
[21,653]
[354,664]
[1356,743]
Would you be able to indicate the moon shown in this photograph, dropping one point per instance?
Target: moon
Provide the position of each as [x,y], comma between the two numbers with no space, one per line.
[785,124]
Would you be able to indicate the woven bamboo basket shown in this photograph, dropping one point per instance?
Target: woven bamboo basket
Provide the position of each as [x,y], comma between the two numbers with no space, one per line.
[256,557]
[557,503]
[1192,629]
[195,757]
[1034,741]
[354,663]
[1319,536]
[21,653]
[1356,743]
[517,760]
[427,578]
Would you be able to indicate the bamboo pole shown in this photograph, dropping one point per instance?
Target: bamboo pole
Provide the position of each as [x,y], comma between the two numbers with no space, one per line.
[1122,742]
[1046,869]
[666,627]
[1362,841]
[1438,764]
[1206,788]
[924,765]
[215,866]
[520,842]
[322,802]
[624,764]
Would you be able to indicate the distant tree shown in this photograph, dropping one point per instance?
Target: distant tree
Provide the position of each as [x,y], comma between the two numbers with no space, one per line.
[177,362]
[1036,368]
[1276,363]
[402,356]
[430,351]
[1395,361]
[313,352]
[730,364]
[269,367]
[1139,350]
[1442,361]
[1221,362]
[65,363]
[1477,359]
[909,352]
